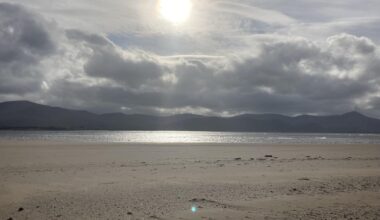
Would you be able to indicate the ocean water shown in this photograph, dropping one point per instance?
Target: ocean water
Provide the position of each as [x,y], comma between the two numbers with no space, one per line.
[188,137]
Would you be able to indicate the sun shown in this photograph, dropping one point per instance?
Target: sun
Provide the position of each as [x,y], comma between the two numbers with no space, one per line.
[175,11]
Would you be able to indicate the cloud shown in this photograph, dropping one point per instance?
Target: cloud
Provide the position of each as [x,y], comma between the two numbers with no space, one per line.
[254,13]
[279,73]
[133,70]
[23,35]
[24,42]
[289,75]
[306,76]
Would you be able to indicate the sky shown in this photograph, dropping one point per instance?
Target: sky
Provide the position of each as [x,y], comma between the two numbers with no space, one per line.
[226,57]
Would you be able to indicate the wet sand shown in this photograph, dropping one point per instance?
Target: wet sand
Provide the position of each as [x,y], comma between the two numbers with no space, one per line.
[164,181]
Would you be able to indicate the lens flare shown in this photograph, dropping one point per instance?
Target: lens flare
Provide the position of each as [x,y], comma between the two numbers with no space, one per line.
[194,209]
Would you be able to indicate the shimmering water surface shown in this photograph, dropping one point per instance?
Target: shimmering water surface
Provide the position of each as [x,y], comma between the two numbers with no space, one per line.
[189,137]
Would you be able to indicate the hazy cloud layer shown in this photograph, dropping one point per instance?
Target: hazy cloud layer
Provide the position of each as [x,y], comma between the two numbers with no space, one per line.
[255,67]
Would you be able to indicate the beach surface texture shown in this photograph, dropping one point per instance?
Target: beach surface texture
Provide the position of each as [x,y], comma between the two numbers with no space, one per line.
[46,180]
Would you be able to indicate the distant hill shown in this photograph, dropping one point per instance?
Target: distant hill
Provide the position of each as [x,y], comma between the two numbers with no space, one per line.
[28,115]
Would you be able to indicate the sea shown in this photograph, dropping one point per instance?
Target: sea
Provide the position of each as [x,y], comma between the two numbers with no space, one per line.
[188,137]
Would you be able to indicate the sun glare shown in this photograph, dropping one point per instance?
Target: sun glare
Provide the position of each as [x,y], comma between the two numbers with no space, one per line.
[175,11]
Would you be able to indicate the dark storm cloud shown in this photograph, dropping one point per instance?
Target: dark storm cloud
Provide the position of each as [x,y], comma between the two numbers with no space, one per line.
[288,76]
[24,41]
[132,71]
[23,34]
[107,61]
[307,77]
[302,68]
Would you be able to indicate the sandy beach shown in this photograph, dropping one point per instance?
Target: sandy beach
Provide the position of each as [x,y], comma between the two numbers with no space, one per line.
[165,181]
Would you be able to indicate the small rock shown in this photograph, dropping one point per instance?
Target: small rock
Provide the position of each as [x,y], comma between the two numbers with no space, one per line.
[58,216]
[268,155]
[304,178]
[129,213]
[238,158]
[10,218]
[198,200]
[252,158]
[20,209]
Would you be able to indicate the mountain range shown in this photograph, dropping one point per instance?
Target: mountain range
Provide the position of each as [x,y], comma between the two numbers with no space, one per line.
[19,115]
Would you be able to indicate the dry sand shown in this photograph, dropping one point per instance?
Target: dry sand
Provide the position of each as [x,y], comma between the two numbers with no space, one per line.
[132,181]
